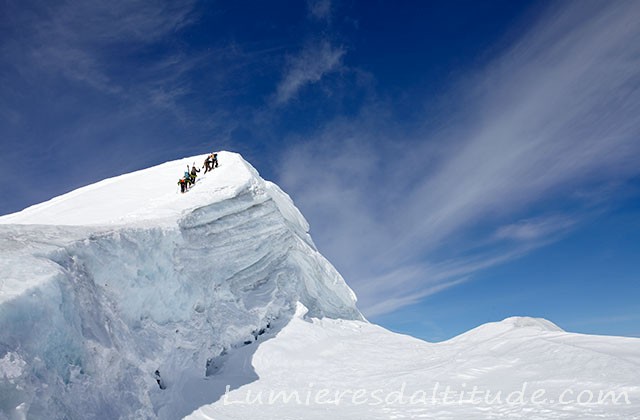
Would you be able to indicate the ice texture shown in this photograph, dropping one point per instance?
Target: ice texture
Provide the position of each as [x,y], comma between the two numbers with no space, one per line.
[105,285]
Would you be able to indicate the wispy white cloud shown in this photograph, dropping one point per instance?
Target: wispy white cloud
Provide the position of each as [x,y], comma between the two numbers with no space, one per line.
[308,67]
[85,42]
[536,228]
[320,9]
[555,114]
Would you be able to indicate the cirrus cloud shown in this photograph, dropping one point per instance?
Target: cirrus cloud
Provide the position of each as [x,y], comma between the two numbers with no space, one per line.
[312,63]
[404,214]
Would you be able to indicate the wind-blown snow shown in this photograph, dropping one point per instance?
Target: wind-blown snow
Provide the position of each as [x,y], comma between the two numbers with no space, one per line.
[102,286]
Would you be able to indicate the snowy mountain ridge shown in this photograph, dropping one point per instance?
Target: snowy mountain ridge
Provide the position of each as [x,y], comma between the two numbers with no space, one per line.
[151,195]
[219,297]
[105,285]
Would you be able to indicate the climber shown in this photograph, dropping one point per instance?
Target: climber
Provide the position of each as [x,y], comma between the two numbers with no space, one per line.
[187,177]
[183,185]
[207,164]
[211,162]
[159,380]
[194,172]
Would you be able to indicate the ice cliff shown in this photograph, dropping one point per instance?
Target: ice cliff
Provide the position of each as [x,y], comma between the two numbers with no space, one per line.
[102,286]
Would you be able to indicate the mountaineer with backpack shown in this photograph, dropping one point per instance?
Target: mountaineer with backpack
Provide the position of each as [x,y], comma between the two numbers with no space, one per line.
[207,164]
[210,162]
[194,173]
[187,176]
[183,185]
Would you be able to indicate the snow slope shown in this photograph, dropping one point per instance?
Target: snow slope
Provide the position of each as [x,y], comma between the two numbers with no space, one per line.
[105,285]
[352,370]
[149,195]
[222,288]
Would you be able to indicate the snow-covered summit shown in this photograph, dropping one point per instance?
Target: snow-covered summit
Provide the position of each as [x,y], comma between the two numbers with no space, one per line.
[105,285]
[529,322]
[512,326]
[147,195]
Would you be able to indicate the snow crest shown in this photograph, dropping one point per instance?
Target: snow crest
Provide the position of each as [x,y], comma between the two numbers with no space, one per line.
[513,326]
[108,284]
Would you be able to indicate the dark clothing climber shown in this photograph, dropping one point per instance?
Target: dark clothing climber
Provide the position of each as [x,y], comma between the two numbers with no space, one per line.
[194,173]
[210,162]
[183,185]
[159,380]
[207,164]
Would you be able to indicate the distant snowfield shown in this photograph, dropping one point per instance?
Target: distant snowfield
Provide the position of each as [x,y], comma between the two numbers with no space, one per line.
[520,368]
[223,286]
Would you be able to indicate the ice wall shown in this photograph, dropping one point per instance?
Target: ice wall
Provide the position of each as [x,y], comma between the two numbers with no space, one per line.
[89,312]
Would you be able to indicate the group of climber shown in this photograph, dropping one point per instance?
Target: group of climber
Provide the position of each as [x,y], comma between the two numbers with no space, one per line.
[210,162]
[190,175]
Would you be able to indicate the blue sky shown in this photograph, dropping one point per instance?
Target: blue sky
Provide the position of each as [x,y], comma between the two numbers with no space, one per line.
[459,162]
